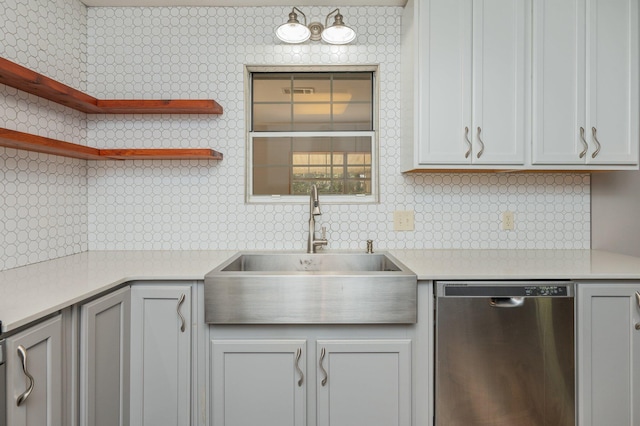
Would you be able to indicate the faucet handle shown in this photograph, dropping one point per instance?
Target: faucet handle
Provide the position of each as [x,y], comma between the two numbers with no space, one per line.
[324,232]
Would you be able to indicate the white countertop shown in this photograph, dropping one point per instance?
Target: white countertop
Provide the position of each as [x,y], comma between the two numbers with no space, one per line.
[32,292]
[518,264]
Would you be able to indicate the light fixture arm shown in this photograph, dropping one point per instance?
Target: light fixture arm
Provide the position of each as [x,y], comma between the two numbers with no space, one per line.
[293,18]
[338,18]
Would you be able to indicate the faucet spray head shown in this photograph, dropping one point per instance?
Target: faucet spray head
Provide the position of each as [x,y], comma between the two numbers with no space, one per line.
[315,200]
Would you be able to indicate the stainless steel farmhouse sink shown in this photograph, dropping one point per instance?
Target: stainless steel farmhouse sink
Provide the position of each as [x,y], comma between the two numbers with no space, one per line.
[319,288]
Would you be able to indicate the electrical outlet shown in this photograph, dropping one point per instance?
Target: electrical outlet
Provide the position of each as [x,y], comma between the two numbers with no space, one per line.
[403,220]
[508,221]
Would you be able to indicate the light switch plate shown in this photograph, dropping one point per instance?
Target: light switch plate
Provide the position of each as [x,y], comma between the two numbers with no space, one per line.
[403,220]
[508,221]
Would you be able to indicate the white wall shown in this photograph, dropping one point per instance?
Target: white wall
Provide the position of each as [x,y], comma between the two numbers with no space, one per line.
[200,53]
[53,206]
[43,198]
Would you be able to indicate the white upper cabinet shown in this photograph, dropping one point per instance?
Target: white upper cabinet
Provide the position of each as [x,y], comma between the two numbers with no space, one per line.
[468,60]
[499,81]
[585,82]
[612,81]
[520,84]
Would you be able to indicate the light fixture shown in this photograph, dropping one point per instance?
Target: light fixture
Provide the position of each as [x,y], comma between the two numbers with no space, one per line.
[338,32]
[294,32]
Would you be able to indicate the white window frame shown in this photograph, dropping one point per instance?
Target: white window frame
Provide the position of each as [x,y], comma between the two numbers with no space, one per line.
[372,198]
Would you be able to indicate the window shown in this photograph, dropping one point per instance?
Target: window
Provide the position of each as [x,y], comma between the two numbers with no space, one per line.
[311,127]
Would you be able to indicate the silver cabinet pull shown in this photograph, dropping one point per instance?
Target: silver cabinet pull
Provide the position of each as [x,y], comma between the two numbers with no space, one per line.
[481,143]
[584,143]
[22,354]
[183,323]
[594,131]
[638,298]
[297,365]
[323,352]
[466,139]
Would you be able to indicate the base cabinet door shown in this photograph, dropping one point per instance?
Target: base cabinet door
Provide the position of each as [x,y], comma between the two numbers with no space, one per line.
[104,360]
[161,355]
[34,375]
[364,383]
[258,382]
[608,354]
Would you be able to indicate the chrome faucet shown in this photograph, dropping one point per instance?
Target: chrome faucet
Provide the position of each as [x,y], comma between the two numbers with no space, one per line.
[314,210]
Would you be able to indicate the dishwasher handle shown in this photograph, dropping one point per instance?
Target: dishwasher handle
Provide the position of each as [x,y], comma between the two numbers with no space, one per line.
[506,302]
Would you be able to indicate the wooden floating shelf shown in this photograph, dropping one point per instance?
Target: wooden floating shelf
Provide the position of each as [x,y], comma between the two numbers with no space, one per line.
[29,142]
[24,79]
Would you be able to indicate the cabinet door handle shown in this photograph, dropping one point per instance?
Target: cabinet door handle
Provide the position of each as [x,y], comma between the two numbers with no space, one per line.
[466,139]
[638,298]
[481,143]
[183,322]
[594,132]
[22,354]
[584,143]
[297,365]
[323,352]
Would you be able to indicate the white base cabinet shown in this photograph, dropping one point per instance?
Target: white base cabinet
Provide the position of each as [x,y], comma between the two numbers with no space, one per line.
[364,382]
[274,382]
[104,360]
[608,354]
[35,352]
[161,326]
[258,382]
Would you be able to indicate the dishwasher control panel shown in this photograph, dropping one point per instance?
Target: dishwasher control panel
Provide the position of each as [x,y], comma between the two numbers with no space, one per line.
[503,289]
[547,291]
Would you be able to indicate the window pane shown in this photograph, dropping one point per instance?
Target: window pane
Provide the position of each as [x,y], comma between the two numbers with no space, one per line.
[271,180]
[271,117]
[272,87]
[337,165]
[312,87]
[271,151]
[312,102]
[352,116]
[358,85]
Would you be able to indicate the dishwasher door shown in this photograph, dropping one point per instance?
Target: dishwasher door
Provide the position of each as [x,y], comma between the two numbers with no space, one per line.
[504,354]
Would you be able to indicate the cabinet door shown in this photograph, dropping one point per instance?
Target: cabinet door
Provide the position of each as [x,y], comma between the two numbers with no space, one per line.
[499,81]
[104,360]
[559,67]
[608,353]
[160,355]
[445,75]
[612,81]
[41,346]
[258,382]
[364,383]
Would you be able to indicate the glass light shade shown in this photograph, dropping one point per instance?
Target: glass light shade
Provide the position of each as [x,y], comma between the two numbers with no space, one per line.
[338,34]
[293,32]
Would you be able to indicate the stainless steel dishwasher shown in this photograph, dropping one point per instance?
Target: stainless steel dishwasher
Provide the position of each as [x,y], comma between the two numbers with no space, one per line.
[505,353]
